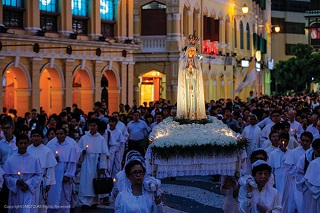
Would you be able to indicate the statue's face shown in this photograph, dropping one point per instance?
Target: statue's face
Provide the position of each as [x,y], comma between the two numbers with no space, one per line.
[191,52]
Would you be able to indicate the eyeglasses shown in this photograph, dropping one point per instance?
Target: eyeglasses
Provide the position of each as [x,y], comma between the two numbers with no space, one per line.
[137,173]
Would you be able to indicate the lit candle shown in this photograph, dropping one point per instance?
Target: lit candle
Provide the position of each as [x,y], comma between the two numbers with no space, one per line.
[87,146]
[282,142]
[114,179]
[19,174]
[57,156]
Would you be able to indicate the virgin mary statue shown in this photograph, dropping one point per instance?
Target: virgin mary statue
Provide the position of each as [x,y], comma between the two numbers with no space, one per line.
[190,97]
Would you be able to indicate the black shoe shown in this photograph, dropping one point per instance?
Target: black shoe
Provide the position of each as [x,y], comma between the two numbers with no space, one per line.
[85,207]
[94,206]
[105,201]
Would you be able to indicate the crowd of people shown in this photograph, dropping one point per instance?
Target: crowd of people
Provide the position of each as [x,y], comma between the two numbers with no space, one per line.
[43,157]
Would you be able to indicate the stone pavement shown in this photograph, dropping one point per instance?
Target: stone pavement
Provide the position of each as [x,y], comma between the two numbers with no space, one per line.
[185,194]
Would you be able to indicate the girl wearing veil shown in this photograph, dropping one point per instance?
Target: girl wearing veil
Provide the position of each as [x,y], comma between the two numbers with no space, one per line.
[190,97]
[134,190]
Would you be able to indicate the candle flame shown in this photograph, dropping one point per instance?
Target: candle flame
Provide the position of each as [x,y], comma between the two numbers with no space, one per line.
[114,179]
[87,146]
[282,142]
[57,152]
[19,173]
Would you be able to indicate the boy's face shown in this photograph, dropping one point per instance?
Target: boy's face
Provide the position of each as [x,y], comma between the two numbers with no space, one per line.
[22,145]
[274,138]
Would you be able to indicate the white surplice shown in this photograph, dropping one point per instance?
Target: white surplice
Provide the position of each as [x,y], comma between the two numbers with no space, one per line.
[94,159]
[47,161]
[29,169]
[115,144]
[311,200]
[292,198]
[268,197]
[276,161]
[59,196]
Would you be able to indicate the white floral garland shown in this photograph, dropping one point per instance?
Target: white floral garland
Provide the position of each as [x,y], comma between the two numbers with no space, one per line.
[170,133]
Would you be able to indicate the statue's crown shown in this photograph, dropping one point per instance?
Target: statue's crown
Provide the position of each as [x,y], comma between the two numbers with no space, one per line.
[193,39]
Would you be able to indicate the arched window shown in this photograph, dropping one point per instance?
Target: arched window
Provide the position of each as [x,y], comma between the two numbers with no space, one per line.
[235,33]
[107,18]
[13,13]
[241,36]
[80,16]
[48,15]
[248,36]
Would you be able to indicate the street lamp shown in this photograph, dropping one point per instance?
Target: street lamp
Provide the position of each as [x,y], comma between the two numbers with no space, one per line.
[276,28]
[245,9]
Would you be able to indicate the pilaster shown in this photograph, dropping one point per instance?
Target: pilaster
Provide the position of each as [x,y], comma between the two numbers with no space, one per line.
[69,67]
[124,79]
[65,17]
[32,14]
[95,20]
[36,65]
[97,69]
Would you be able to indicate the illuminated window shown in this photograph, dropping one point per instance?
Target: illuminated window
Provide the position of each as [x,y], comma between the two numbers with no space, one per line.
[80,16]
[48,5]
[106,10]
[79,7]
[13,13]
[48,15]
[12,3]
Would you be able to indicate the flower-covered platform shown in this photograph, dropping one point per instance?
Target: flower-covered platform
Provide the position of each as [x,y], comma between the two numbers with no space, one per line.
[201,147]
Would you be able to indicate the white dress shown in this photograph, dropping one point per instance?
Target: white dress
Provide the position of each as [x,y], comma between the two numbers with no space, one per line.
[126,202]
[268,197]
[190,96]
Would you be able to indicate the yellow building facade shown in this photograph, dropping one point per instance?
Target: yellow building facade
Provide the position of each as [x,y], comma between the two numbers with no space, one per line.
[232,37]
[57,53]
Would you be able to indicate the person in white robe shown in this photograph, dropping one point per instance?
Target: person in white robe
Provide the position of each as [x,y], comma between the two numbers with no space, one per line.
[23,177]
[312,181]
[47,161]
[302,166]
[60,194]
[114,141]
[252,132]
[123,129]
[313,126]
[276,118]
[134,197]
[261,197]
[76,179]
[7,148]
[94,150]
[296,128]
[274,138]
[276,161]
[292,198]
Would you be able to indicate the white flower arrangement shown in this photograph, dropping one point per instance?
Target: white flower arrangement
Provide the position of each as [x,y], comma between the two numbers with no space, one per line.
[170,135]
